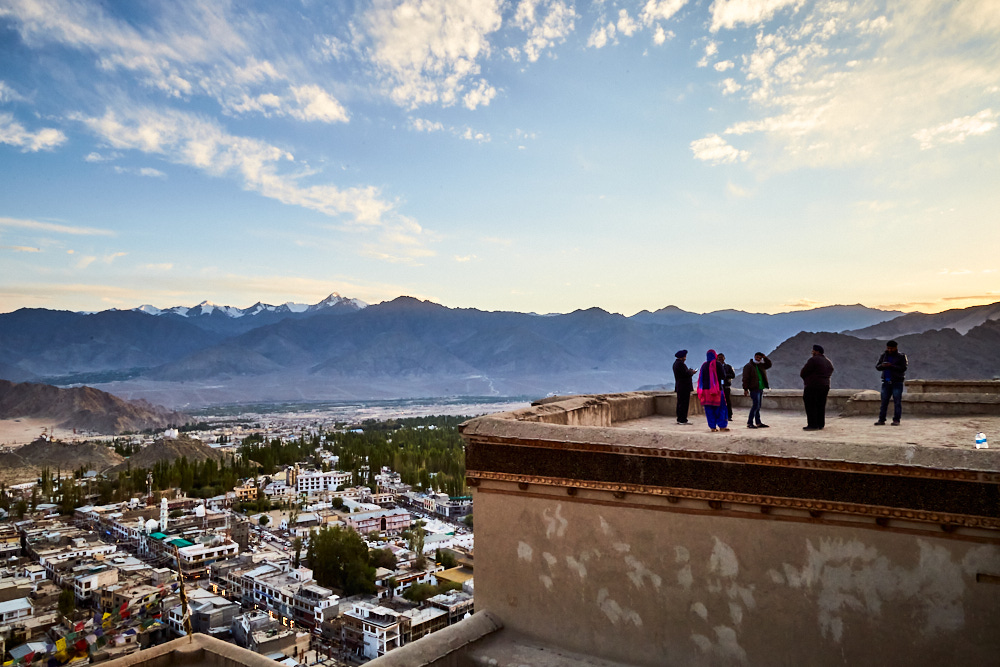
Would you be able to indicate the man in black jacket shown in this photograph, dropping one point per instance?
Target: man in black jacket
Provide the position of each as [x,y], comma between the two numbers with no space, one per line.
[754,384]
[892,363]
[682,385]
[728,375]
[816,380]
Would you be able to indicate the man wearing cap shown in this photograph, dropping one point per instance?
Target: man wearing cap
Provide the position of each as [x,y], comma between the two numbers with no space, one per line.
[816,380]
[682,385]
[892,363]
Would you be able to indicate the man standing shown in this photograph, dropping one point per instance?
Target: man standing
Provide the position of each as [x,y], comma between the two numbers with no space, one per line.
[754,384]
[892,363]
[816,380]
[682,385]
[728,375]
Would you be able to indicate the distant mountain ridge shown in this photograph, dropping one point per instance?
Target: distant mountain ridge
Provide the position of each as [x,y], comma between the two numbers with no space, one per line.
[402,348]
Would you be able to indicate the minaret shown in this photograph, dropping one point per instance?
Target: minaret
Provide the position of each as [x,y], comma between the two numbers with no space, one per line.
[163,515]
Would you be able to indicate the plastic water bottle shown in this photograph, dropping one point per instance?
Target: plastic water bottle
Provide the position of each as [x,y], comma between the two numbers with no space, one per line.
[981,441]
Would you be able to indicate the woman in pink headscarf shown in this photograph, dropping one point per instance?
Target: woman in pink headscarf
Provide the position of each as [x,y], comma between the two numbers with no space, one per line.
[710,393]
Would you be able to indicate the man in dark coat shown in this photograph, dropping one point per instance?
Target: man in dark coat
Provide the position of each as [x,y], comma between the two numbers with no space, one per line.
[816,380]
[682,385]
[754,384]
[892,363]
[727,377]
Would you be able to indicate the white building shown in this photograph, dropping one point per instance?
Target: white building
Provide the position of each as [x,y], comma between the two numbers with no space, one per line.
[14,610]
[314,482]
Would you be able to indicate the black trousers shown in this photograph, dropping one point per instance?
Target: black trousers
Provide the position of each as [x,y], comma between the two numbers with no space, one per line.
[814,399]
[683,401]
[728,391]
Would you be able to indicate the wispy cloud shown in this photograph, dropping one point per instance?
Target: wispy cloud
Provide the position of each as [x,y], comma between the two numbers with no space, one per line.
[546,22]
[944,303]
[716,150]
[53,227]
[841,83]
[20,248]
[8,94]
[15,134]
[731,13]
[957,130]
[183,50]
[804,304]
[261,167]
[140,171]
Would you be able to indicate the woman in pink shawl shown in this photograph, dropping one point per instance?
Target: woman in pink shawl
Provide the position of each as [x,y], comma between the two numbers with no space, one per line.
[710,393]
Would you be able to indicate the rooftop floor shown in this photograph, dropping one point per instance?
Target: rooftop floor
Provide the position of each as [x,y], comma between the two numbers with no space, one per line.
[923,431]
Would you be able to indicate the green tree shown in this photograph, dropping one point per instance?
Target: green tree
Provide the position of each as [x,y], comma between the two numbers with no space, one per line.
[67,603]
[382,558]
[339,559]
[264,520]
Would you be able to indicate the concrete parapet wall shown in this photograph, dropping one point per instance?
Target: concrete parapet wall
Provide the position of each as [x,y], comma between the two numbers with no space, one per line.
[868,403]
[608,409]
[648,583]
[953,387]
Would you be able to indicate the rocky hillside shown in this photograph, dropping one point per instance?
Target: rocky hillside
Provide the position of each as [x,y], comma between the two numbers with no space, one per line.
[932,355]
[169,449]
[82,408]
[25,463]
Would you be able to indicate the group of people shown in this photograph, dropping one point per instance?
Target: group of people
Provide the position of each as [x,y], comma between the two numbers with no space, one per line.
[715,377]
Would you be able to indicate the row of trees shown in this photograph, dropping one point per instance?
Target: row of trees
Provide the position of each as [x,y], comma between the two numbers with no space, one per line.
[427,452]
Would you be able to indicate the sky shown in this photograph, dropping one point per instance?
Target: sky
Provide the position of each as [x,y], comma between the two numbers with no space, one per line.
[521,155]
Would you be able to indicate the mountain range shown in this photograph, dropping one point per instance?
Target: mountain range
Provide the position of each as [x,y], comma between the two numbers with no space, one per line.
[344,349]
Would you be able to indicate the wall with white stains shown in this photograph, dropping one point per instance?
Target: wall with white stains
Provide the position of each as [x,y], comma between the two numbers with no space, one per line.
[650,587]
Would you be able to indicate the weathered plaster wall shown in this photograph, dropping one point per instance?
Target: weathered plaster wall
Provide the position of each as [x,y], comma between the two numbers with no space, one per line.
[650,585]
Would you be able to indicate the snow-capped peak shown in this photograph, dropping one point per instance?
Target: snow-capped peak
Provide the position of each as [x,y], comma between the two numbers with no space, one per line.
[208,308]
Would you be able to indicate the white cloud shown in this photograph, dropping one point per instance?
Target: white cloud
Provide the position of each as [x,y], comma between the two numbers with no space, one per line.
[316,104]
[96,157]
[20,248]
[15,134]
[660,10]
[723,65]
[428,50]
[711,48]
[547,22]
[472,135]
[424,125]
[481,95]
[20,223]
[196,142]
[464,258]
[839,85]
[183,49]
[956,131]
[716,150]
[8,94]
[140,171]
[626,24]
[661,35]
[600,36]
[730,13]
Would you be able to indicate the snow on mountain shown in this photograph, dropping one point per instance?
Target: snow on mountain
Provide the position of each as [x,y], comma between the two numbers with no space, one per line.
[209,308]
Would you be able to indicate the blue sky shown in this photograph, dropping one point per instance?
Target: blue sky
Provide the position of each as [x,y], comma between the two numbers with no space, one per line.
[529,155]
